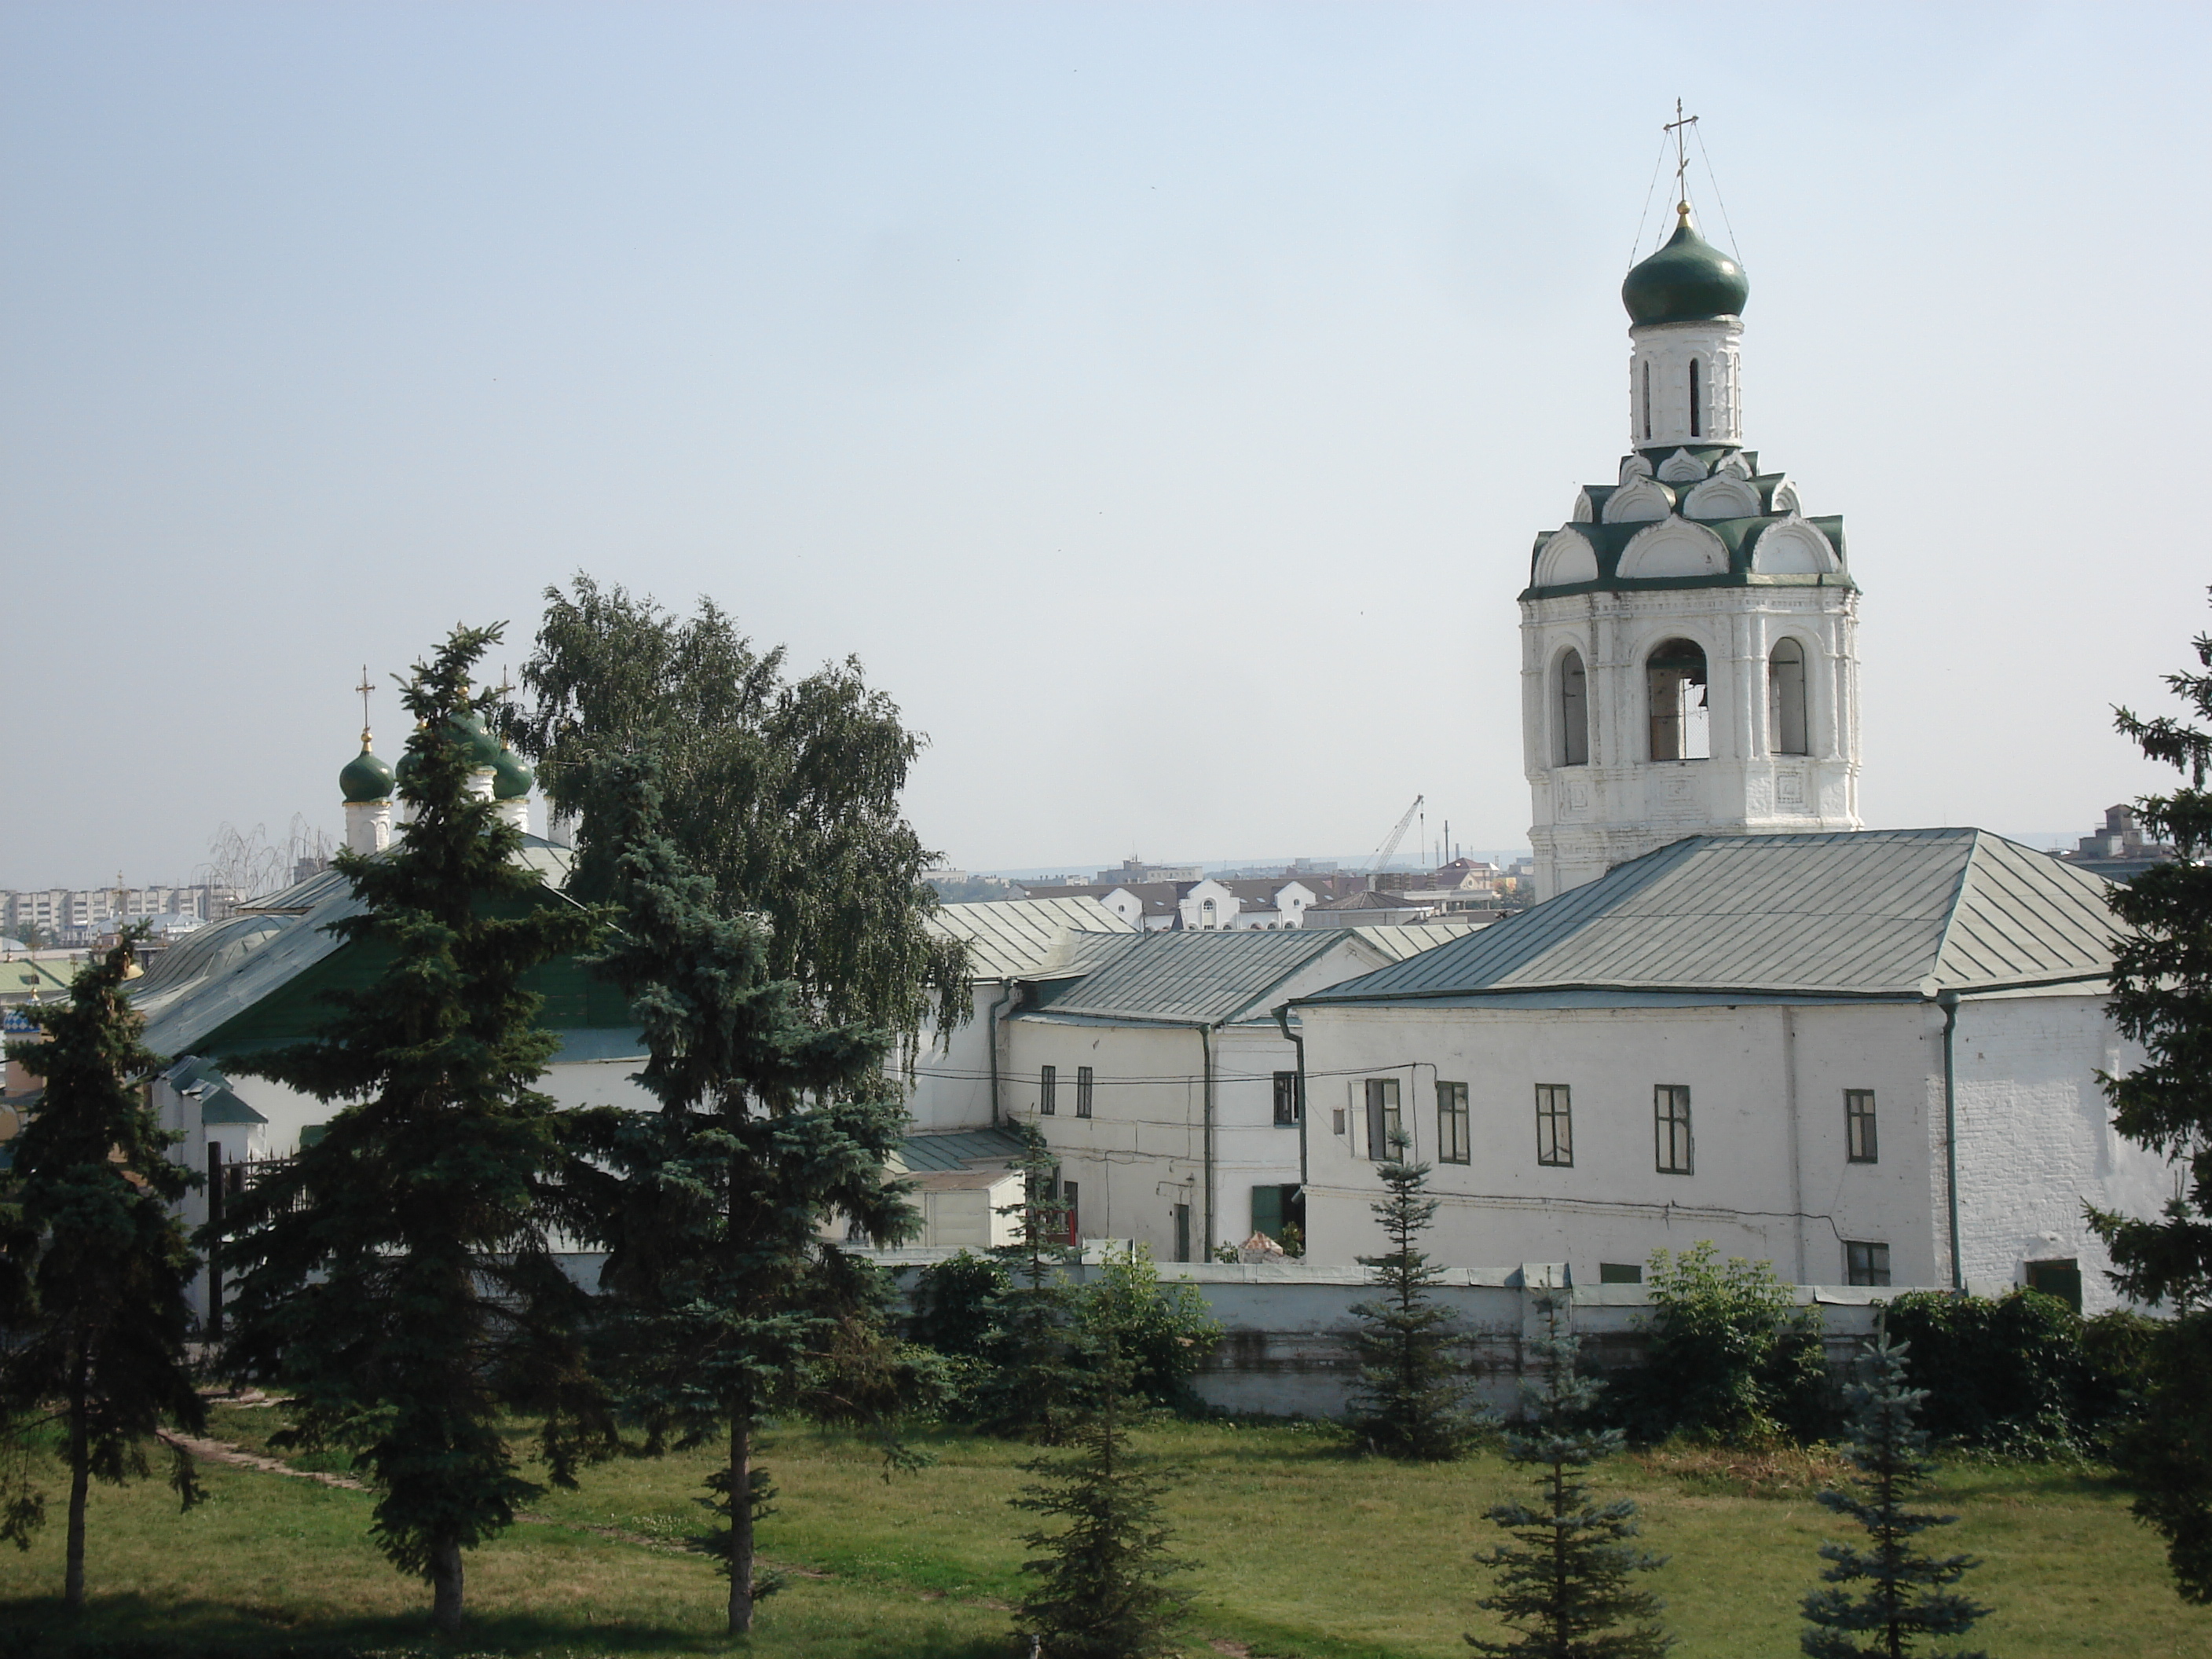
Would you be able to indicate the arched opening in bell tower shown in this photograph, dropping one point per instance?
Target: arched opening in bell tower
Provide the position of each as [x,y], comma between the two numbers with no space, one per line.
[1674,683]
[1785,699]
[1574,711]
[1697,402]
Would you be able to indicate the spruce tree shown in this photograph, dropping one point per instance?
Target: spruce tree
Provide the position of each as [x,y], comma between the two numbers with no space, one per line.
[2162,998]
[98,1267]
[1104,1592]
[1565,1583]
[1908,1598]
[1412,1399]
[727,1297]
[1033,1385]
[397,1278]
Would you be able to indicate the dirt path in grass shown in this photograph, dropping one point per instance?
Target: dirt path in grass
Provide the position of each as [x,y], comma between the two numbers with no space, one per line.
[236,1456]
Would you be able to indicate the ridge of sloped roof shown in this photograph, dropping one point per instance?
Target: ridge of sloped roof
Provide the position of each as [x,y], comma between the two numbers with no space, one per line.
[1863,913]
[1007,937]
[1187,978]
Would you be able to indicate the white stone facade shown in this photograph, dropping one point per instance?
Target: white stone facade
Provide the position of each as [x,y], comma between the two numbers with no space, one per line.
[1606,799]
[1771,1176]
[1662,406]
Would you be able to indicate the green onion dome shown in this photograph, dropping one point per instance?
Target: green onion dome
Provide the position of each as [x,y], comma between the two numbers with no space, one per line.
[1687,281]
[408,764]
[483,749]
[365,778]
[511,779]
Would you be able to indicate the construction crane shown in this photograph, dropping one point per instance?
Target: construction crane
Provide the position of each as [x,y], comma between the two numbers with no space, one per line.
[1398,835]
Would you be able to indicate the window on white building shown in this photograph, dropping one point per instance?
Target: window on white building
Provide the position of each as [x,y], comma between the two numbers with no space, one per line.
[1555,1125]
[1289,1109]
[1674,682]
[1865,1263]
[1697,402]
[1048,1091]
[1083,1082]
[1574,711]
[1452,1146]
[1670,1115]
[1858,1127]
[1384,1123]
[1785,698]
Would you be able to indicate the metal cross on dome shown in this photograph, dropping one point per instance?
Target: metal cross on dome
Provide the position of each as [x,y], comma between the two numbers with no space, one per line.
[1680,126]
[364,688]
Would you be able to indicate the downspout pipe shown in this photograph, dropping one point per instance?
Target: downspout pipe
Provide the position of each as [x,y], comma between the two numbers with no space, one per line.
[991,1032]
[1948,1002]
[1206,1043]
[1298,1043]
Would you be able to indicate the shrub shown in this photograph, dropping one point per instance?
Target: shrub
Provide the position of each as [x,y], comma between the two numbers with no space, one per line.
[1731,1357]
[1164,1334]
[951,1304]
[2022,1374]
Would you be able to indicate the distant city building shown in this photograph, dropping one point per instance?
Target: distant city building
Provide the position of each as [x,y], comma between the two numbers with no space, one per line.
[77,915]
[1210,905]
[2120,851]
[1134,872]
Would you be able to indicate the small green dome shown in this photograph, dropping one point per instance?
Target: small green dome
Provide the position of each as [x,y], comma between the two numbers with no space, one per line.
[1687,281]
[511,779]
[408,764]
[365,778]
[483,749]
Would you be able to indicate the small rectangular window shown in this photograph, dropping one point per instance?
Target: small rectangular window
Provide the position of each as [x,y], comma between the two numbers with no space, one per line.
[1336,1120]
[1858,1126]
[1384,1126]
[1067,1191]
[1865,1263]
[1670,1117]
[1451,1123]
[1048,1091]
[1083,1080]
[1555,1125]
[1289,1109]
[1620,1272]
[1182,1232]
[2060,1278]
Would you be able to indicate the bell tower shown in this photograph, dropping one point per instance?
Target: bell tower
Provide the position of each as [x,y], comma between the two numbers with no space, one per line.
[1689,661]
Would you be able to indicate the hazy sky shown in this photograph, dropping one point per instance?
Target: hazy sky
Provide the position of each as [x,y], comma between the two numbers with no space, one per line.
[1161,401]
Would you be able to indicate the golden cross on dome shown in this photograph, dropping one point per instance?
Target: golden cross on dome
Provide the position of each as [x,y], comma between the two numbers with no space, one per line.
[364,688]
[1680,126]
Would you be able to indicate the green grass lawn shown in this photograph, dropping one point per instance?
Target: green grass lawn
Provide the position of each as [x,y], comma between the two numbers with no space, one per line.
[1302,1552]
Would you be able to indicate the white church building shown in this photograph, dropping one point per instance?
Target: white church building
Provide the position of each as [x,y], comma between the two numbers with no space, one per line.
[1869,1057]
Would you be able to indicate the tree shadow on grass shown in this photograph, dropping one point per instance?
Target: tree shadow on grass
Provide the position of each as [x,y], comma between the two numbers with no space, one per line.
[136,1627]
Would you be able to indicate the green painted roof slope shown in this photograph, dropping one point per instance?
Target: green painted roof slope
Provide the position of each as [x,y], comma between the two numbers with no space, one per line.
[1687,281]
[1869,912]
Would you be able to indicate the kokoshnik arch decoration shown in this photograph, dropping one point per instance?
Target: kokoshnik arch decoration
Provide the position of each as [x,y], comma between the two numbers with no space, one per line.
[1689,659]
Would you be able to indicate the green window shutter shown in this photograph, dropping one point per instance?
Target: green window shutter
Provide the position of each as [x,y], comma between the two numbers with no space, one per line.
[1267,1210]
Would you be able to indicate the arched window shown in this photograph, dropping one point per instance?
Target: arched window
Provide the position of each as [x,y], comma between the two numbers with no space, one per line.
[1785,699]
[1205,914]
[1574,711]
[1697,403]
[1647,397]
[1674,680]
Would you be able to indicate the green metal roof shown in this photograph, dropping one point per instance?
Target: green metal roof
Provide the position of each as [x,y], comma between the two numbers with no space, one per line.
[258,978]
[1007,938]
[1184,978]
[1901,912]
[955,1150]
